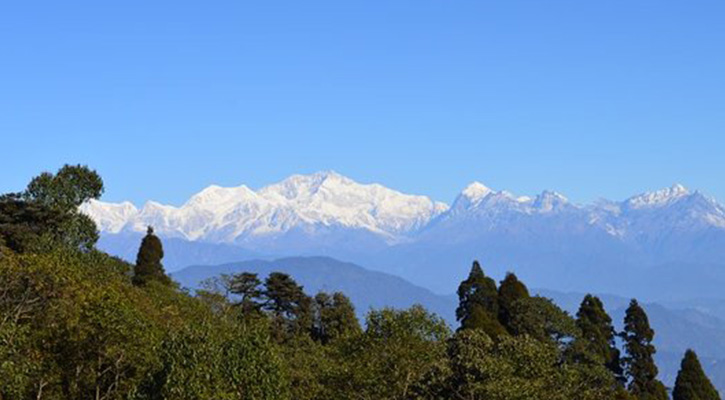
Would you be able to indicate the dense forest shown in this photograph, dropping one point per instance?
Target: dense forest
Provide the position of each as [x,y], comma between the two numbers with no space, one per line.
[76,323]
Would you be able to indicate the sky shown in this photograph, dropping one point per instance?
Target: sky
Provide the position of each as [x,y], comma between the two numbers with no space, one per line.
[594,99]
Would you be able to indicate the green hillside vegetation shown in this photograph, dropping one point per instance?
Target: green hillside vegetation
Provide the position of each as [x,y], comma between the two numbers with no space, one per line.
[76,323]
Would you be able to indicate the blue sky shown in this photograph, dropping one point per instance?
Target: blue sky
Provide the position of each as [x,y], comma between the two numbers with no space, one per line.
[590,98]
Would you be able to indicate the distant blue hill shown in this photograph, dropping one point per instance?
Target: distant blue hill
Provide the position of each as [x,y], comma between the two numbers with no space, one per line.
[367,289]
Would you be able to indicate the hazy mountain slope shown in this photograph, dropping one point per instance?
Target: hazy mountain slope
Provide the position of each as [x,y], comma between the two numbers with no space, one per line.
[177,252]
[367,289]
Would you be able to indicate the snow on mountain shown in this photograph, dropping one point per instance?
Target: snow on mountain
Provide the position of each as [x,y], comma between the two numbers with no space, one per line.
[658,198]
[329,200]
[226,215]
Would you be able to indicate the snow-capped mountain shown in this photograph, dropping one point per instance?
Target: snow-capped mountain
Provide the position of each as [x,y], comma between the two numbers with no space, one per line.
[545,237]
[307,203]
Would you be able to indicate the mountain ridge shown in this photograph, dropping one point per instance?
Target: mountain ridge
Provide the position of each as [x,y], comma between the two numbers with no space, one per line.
[550,240]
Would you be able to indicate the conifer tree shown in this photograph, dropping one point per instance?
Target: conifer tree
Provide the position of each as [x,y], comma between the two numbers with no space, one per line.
[692,383]
[247,286]
[290,307]
[510,291]
[478,303]
[597,336]
[640,366]
[148,261]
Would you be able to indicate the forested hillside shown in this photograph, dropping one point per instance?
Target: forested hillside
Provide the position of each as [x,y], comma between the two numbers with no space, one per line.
[76,323]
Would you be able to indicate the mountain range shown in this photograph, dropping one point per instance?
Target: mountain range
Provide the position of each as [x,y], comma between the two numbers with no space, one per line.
[663,245]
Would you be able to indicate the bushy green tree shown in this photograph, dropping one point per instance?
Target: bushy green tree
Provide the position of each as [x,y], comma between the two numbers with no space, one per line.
[511,368]
[46,214]
[334,317]
[396,350]
[148,261]
[289,306]
[543,320]
[692,383]
[478,303]
[597,341]
[639,362]
[510,291]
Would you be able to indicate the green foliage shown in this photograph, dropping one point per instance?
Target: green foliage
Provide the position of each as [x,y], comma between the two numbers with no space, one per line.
[70,187]
[640,366]
[510,291]
[247,286]
[478,303]
[692,383]
[148,261]
[72,326]
[76,323]
[46,214]
[395,352]
[596,344]
[334,317]
[543,320]
[510,368]
[289,306]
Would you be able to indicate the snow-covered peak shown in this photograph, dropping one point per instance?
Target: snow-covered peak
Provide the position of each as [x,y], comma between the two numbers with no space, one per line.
[549,201]
[216,196]
[304,186]
[658,198]
[109,217]
[476,191]
[300,201]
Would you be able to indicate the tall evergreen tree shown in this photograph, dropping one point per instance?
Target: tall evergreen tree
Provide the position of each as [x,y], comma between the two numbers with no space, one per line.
[148,261]
[640,366]
[290,307]
[598,336]
[247,286]
[692,383]
[478,303]
[510,291]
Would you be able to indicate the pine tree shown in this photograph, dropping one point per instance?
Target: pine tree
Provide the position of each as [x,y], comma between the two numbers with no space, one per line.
[597,335]
[247,286]
[510,291]
[148,261]
[478,303]
[290,307]
[640,366]
[692,383]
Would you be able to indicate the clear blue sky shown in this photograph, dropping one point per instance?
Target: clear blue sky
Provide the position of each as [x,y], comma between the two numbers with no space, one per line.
[590,98]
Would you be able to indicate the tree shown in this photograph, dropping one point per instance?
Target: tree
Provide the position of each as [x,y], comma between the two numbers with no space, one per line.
[510,291]
[692,383]
[543,320]
[46,214]
[478,303]
[512,368]
[597,342]
[396,350]
[148,261]
[640,366]
[290,307]
[248,287]
[334,317]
